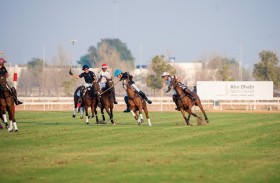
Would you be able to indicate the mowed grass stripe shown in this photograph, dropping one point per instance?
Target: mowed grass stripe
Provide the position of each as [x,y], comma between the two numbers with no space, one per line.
[52,147]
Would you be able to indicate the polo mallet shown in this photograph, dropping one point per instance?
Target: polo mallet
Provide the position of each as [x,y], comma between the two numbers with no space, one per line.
[110,87]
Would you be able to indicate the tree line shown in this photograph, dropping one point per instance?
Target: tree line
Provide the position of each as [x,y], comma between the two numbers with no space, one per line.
[52,79]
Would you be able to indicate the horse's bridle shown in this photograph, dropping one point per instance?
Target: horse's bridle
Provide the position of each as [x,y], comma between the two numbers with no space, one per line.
[127,85]
[172,84]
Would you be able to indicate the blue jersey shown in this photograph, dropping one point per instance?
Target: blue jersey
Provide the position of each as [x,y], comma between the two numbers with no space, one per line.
[89,77]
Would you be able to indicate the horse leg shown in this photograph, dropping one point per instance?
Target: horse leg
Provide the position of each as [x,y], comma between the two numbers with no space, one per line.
[96,116]
[13,123]
[82,110]
[202,110]
[5,120]
[74,111]
[133,112]
[86,109]
[147,115]
[184,115]
[13,119]
[140,119]
[102,112]
[110,114]
[195,115]
[111,117]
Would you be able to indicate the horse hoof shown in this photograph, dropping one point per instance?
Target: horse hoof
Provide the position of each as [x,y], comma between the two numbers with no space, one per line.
[73,116]
[87,123]
[16,130]
[81,117]
[10,130]
[6,125]
[139,123]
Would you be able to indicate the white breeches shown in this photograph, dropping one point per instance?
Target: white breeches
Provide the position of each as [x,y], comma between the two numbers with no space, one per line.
[102,85]
[135,87]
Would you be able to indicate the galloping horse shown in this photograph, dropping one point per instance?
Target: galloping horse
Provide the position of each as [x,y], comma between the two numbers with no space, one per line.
[90,100]
[136,103]
[185,103]
[107,99]
[7,104]
[78,104]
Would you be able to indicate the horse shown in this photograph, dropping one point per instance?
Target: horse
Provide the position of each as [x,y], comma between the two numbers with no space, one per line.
[78,103]
[107,99]
[185,103]
[7,104]
[136,103]
[90,99]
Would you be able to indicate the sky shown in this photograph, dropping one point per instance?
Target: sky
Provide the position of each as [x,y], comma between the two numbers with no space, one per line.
[188,30]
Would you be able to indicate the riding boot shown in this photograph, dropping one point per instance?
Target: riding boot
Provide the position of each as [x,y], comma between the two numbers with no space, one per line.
[190,94]
[175,101]
[14,93]
[143,95]
[114,95]
[127,104]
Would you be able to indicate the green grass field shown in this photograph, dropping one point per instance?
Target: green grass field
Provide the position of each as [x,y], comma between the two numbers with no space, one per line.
[54,147]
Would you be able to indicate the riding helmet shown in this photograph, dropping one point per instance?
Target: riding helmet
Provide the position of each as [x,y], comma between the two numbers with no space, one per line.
[165,74]
[85,67]
[104,66]
[2,61]
[117,72]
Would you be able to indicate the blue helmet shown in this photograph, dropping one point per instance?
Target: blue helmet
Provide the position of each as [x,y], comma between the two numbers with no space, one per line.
[117,72]
[85,67]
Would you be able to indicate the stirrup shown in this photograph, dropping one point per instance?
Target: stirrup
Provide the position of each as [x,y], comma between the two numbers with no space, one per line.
[149,102]
[115,102]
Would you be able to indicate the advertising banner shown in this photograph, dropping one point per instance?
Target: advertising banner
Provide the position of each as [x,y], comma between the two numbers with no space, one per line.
[235,90]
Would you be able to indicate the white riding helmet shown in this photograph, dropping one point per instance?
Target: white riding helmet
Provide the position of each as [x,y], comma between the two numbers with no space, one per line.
[165,74]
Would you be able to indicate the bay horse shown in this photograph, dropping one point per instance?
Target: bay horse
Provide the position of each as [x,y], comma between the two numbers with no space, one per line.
[107,99]
[185,103]
[90,99]
[7,104]
[78,103]
[136,103]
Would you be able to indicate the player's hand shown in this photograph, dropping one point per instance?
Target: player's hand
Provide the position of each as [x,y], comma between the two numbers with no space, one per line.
[70,72]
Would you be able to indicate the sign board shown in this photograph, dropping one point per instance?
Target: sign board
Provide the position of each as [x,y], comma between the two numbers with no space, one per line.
[235,90]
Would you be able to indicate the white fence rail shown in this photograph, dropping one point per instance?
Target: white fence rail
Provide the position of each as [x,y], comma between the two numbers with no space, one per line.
[159,104]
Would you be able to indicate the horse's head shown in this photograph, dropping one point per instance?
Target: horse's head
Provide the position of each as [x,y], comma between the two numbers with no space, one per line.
[126,84]
[109,83]
[96,87]
[173,83]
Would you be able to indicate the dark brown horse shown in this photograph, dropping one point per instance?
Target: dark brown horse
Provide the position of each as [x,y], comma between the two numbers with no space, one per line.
[90,99]
[136,103]
[107,100]
[185,103]
[78,103]
[7,104]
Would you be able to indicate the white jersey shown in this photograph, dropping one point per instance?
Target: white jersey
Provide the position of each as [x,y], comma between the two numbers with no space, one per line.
[105,74]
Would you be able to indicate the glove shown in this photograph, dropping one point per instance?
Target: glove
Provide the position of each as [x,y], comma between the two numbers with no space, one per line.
[70,72]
